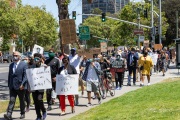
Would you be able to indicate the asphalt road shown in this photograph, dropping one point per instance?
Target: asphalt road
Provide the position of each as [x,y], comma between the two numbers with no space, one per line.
[4,91]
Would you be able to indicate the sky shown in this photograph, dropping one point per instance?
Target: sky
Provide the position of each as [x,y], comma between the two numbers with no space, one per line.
[51,6]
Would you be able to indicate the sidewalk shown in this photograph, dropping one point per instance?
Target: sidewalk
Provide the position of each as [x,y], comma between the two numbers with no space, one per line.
[54,114]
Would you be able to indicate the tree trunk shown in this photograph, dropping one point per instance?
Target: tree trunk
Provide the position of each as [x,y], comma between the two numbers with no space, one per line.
[63,14]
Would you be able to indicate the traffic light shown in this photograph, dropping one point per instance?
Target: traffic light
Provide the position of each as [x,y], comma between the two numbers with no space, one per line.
[145,13]
[156,30]
[74,15]
[103,17]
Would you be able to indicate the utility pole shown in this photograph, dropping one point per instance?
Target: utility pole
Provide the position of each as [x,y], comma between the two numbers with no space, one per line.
[63,14]
[139,29]
[152,21]
[160,23]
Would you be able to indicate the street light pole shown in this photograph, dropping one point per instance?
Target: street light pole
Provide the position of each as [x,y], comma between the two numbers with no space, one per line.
[160,23]
[152,21]
[139,18]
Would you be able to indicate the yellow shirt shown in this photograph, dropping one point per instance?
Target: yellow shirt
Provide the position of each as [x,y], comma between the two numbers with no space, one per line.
[147,63]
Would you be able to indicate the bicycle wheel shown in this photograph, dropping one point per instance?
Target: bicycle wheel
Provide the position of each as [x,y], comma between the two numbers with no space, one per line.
[100,89]
[111,87]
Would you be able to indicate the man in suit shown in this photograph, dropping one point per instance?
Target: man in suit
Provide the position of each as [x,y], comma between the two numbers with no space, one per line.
[132,65]
[17,83]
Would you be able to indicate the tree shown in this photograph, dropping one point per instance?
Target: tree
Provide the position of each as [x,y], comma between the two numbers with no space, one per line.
[174,6]
[32,24]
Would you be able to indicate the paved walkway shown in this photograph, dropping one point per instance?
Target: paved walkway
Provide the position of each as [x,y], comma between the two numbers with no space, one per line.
[54,114]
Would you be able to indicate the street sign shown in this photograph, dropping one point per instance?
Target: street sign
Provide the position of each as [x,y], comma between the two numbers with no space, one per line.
[138,31]
[84,33]
[102,40]
[141,38]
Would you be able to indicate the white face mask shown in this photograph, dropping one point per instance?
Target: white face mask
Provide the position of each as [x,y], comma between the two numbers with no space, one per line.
[15,58]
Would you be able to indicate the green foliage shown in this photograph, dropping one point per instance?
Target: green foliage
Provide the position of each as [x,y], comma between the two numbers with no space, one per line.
[34,25]
[122,33]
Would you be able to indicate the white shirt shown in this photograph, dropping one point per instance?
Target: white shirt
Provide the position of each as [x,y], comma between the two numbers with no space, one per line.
[15,66]
[92,76]
[75,61]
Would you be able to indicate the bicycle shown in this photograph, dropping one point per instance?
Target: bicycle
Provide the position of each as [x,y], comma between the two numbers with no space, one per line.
[106,85]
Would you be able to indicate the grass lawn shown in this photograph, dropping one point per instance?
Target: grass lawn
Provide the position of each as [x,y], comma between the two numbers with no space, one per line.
[156,102]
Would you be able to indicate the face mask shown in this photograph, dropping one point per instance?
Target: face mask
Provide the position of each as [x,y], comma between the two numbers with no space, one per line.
[15,58]
[51,55]
[25,61]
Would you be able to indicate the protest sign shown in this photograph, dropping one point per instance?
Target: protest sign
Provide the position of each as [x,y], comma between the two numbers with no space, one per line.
[68,31]
[39,78]
[89,52]
[67,84]
[158,46]
[37,49]
[103,46]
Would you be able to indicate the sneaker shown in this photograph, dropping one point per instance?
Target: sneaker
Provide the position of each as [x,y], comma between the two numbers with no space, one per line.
[76,103]
[134,83]
[148,84]
[94,97]
[38,119]
[120,88]
[44,115]
[99,100]
[88,105]
[141,84]
[128,84]
[117,88]
[27,109]
[49,108]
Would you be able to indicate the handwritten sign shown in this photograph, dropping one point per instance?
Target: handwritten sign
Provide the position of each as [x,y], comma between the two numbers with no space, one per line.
[67,84]
[89,52]
[158,46]
[37,49]
[39,78]
[68,31]
[103,46]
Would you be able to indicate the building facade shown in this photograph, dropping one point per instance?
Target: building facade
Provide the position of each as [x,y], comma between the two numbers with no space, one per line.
[111,6]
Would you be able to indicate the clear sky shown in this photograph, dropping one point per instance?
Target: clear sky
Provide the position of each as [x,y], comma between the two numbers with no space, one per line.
[51,6]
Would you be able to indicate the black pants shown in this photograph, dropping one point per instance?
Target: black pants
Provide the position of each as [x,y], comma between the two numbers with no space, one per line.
[13,95]
[119,77]
[38,101]
[27,98]
[48,93]
[132,70]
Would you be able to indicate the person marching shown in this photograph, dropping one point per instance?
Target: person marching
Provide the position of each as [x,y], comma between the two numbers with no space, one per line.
[38,94]
[54,64]
[132,65]
[17,83]
[66,69]
[92,78]
[145,63]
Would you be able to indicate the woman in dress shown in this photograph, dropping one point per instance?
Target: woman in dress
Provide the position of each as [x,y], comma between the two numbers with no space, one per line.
[145,63]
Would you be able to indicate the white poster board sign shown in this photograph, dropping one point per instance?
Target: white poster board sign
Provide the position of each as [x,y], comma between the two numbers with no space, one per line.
[39,78]
[37,49]
[67,84]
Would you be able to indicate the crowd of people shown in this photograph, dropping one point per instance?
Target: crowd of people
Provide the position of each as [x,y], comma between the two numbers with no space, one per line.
[138,63]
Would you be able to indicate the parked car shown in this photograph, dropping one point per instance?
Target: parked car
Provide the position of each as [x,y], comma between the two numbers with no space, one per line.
[28,54]
[7,57]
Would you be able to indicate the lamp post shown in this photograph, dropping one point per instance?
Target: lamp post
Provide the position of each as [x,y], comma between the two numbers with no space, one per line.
[138,9]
